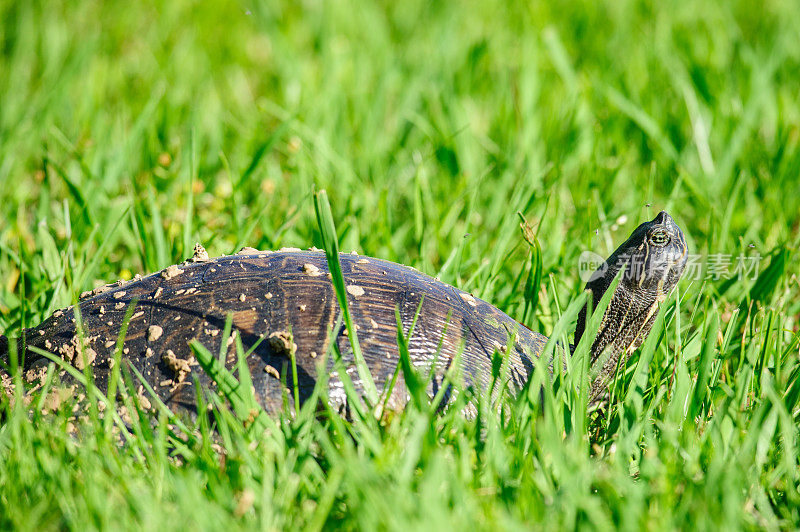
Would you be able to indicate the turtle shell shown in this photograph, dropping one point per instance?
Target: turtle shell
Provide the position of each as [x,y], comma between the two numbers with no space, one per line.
[274,299]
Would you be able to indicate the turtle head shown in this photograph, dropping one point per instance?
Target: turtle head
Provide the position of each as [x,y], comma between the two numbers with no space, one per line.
[652,259]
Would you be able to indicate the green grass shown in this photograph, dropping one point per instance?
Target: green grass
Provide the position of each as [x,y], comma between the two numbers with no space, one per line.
[130,130]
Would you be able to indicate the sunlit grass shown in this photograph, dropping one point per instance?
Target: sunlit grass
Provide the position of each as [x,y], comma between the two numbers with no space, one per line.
[128,131]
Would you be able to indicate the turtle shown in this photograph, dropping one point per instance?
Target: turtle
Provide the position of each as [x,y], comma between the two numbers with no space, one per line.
[282,305]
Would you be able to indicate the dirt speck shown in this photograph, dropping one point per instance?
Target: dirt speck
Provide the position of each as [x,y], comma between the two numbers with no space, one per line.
[56,397]
[200,254]
[281,342]
[125,415]
[268,295]
[242,297]
[170,272]
[311,269]
[289,250]
[154,332]
[85,356]
[119,295]
[373,323]
[313,354]
[36,373]
[469,299]
[247,250]
[6,385]
[245,500]
[272,371]
[109,343]
[71,351]
[144,402]
[355,290]
[362,261]
[137,315]
[302,308]
[149,352]
[179,366]
[98,290]
[119,306]
[159,291]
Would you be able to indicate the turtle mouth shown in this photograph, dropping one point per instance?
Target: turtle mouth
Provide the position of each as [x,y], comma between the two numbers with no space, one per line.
[676,257]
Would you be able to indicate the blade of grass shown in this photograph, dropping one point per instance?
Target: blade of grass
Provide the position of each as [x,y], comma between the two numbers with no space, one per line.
[236,391]
[331,245]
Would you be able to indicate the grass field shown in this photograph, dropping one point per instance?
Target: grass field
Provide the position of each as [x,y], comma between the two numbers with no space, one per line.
[131,130]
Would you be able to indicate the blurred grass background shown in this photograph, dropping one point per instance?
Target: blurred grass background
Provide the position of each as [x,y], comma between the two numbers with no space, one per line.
[130,130]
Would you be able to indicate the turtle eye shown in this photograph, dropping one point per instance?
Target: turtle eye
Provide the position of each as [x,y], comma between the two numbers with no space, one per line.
[659,238]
